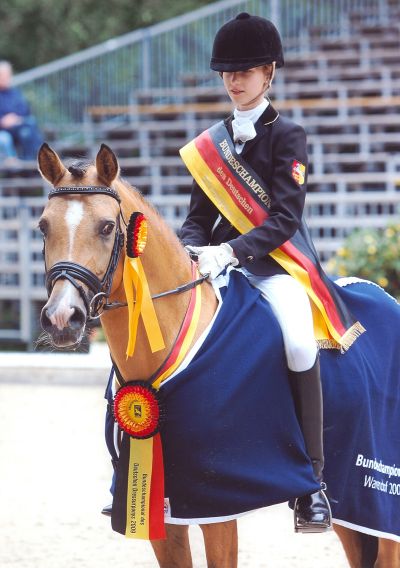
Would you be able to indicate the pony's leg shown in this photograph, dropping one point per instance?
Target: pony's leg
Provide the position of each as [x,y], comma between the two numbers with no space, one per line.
[351,543]
[174,552]
[388,554]
[221,543]
[362,549]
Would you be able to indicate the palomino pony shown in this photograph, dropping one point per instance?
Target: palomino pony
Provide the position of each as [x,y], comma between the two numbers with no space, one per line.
[84,256]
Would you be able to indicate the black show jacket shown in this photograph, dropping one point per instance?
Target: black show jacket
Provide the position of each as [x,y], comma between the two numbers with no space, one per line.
[277,146]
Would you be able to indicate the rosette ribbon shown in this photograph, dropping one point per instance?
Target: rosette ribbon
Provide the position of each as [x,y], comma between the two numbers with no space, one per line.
[139,487]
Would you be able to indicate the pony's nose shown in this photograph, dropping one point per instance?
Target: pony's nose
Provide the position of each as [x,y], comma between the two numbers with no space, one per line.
[75,322]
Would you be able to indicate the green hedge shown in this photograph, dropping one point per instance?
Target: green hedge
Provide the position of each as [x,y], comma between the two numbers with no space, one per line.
[372,254]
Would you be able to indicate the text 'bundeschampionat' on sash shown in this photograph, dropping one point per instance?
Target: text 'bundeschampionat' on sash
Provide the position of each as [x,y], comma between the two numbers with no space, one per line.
[244,174]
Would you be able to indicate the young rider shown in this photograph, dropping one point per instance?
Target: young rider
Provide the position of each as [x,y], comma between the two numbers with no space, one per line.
[246,52]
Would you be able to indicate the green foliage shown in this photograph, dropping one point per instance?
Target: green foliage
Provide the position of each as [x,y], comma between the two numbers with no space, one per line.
[373,254]
[38,31]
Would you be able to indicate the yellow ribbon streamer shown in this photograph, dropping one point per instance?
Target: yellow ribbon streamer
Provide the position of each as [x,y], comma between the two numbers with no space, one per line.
[139,302]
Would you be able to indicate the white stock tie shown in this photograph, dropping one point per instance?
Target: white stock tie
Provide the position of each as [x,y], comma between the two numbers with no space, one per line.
[243,129]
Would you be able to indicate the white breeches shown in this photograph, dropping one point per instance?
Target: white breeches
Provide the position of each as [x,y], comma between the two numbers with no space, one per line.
[291,306]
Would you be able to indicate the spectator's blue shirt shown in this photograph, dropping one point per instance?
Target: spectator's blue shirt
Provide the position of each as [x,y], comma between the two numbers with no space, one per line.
[12,100]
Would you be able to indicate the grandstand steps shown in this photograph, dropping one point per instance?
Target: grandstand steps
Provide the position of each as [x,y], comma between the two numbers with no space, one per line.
[340,57]
[287,87]
[333,89]
[339,74]
[317,182]
[362,23]
[329,220]
[361,141]
[155,181]
[303,107]
[364,40]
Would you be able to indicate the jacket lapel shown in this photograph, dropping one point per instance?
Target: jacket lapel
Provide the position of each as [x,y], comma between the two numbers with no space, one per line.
[268,117]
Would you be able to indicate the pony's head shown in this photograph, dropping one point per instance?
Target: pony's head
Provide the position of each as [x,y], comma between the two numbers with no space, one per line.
[82,241]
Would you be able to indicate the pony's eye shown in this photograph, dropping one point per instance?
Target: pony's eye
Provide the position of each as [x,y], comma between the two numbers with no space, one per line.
[107,229]
[43,227]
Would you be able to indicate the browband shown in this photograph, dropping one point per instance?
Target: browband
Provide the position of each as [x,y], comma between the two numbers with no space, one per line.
[88,190]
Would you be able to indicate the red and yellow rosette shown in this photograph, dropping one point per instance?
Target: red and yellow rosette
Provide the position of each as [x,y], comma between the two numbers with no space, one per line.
[137,409]
[136,235]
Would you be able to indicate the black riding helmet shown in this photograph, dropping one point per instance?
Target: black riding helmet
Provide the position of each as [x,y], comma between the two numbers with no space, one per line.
[246,42]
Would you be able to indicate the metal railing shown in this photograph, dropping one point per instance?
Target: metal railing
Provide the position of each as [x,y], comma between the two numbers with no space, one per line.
[173,52]
[331,216]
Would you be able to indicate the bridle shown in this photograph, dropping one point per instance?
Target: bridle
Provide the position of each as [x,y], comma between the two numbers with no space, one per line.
[77,274]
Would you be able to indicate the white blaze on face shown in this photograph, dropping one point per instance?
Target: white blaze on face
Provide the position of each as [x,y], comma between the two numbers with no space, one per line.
[63,311]
[73,217]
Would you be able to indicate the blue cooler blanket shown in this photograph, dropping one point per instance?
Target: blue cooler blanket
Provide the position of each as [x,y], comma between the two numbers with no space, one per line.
[362,417]
[231,440]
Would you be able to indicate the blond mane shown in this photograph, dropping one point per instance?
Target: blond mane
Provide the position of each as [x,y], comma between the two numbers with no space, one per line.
[132,197]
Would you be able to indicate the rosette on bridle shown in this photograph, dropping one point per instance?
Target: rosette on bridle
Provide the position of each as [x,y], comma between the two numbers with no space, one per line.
[137,291]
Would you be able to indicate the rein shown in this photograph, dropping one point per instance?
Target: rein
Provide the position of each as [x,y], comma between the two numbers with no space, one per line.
[177,290]
[76,273]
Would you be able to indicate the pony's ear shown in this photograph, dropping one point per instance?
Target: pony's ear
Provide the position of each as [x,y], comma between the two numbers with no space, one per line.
[107,164]
[50,165]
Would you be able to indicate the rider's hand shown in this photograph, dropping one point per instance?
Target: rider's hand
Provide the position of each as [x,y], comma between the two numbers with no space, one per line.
[213,259]
[10,119]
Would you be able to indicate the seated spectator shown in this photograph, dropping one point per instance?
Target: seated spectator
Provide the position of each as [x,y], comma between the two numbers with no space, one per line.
[8,155]
[19,134]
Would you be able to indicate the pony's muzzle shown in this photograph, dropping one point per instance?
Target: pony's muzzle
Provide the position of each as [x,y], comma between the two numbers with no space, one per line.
[65,329]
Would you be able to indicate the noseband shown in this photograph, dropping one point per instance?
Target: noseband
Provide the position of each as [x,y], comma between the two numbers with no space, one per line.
[78,274]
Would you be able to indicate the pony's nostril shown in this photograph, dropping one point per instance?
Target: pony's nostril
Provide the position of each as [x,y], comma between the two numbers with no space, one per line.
[45,320]
[77,320]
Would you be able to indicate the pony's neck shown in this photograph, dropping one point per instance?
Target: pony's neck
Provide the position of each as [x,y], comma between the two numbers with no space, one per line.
[167,266]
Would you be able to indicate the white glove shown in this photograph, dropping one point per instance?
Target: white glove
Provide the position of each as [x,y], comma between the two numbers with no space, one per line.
[213,259]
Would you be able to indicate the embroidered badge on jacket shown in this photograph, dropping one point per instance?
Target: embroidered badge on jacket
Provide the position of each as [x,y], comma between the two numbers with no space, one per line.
[298,172]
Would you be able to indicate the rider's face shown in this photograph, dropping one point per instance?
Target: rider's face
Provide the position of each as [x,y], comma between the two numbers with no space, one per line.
[246,89]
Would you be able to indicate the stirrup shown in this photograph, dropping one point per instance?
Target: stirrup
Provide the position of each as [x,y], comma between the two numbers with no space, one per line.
[303,526]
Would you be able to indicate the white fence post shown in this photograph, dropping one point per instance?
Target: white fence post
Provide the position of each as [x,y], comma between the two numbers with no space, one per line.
[275,13]
[25,275]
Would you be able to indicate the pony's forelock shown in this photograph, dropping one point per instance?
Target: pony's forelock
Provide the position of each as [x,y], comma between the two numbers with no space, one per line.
[79,168]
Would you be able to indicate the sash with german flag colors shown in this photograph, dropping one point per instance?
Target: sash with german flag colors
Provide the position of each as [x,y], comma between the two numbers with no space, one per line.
[242,198]
[138,504]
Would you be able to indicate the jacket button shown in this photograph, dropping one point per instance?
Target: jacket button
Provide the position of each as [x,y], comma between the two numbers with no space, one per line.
[250,258]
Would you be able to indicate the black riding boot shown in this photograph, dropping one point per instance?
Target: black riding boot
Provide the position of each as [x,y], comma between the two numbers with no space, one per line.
[312,512]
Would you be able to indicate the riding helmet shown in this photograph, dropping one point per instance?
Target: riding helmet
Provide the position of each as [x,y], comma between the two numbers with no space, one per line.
[246,42]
